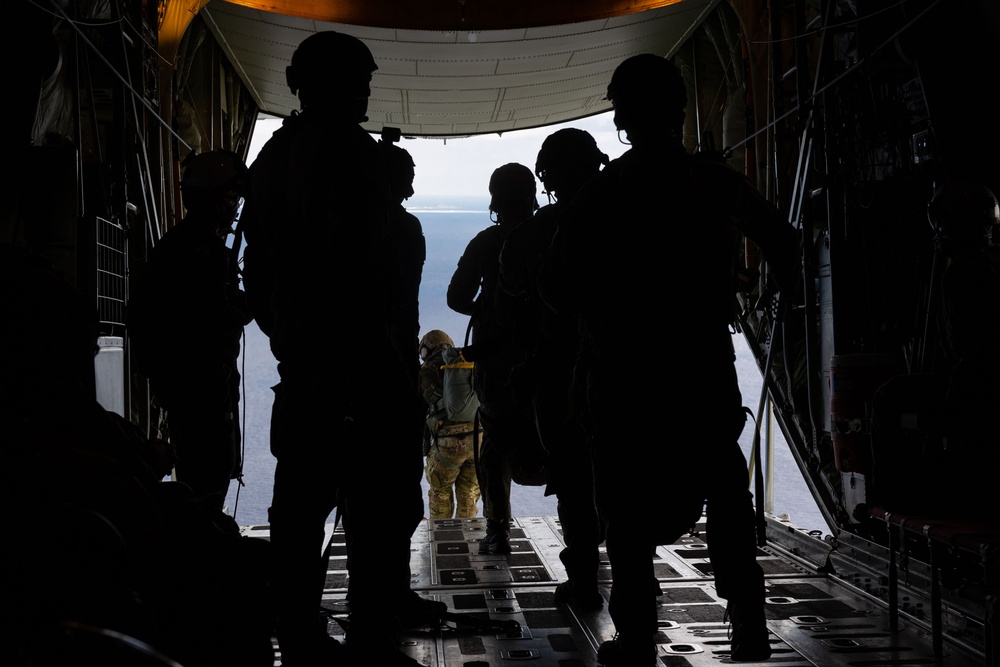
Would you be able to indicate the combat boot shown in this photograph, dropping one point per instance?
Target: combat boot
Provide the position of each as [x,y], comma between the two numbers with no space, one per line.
[627,651]
[497,538]
[585,596]
[414,612]
[373,639]
[748,634]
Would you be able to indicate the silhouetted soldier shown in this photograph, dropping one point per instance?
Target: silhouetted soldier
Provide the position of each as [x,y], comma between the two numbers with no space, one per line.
[655,239]
[450,439]
[187,324]
[567,160]
[68,462]
[408,249]
[510,448]
[319,215]
[407,240]
[152,566]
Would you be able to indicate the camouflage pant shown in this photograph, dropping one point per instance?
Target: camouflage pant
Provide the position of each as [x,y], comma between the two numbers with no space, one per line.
[451,474]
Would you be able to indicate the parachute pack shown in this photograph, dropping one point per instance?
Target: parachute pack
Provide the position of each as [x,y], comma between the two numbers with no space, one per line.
[459,397]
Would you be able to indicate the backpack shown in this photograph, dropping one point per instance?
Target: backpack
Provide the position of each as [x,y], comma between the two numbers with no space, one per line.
[459,397]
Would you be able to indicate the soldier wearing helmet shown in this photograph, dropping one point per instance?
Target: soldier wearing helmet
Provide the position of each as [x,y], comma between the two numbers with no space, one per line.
[190,288]
[510,448]
[451,438]
[406,238]
[332,71]
[213,184]
[643,82]
[318,229]
[657,231]
[473,286]
[567,160]
[431,342]
[512,194]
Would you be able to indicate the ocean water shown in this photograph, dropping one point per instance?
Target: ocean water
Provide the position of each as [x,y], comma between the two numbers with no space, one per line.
[448,226]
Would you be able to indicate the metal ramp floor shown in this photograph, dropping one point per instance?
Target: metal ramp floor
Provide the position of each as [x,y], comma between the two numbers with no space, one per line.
[814,619]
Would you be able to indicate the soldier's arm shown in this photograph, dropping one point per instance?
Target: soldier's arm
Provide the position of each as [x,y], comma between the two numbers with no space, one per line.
[464,285]
[763,224]
[430,383]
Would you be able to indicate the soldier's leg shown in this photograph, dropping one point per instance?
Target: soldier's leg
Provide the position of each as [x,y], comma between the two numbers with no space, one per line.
[441,474]
[633,594]
[305,490]
[582,524]
[731,530]
[570,476]
[467,483]
[380,515]
[203,431]
[494,473]
[732,547]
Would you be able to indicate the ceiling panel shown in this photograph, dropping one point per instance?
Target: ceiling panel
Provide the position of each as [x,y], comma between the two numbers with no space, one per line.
[457,83]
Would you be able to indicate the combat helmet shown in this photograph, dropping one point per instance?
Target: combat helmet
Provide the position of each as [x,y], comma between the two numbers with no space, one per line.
[567,156]
[331,64]
[646,88]
[400,169]
[511,184]
[433,341]
[213,182]
[963,211]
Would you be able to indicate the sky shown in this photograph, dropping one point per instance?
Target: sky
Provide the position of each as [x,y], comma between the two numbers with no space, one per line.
[462,166]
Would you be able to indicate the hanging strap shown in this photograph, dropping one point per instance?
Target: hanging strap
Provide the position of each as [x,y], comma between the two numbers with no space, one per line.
[758,478]
[437,451]
[476,430]
[756,462]
[441,459]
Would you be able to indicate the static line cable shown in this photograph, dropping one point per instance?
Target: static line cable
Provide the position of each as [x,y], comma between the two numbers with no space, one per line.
[756,463]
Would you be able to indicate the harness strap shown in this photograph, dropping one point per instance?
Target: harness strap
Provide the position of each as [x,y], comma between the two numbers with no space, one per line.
[440,457]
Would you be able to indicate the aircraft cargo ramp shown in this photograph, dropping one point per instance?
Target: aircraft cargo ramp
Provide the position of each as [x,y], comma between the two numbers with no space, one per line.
[501,608]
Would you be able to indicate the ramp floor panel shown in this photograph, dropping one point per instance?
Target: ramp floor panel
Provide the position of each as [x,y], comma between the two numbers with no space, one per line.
[505,614]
